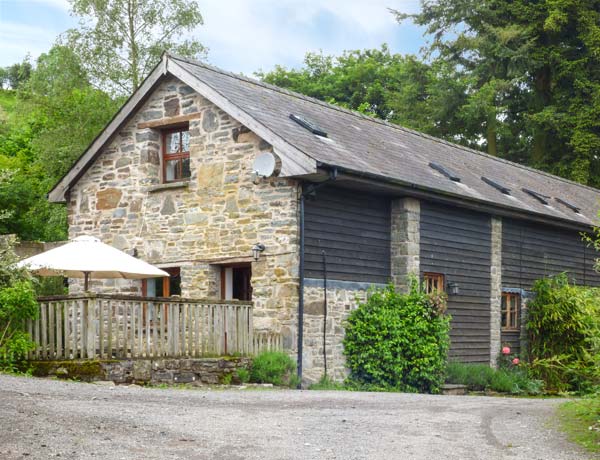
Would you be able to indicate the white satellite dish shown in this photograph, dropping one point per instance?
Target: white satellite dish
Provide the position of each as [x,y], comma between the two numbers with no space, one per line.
[266,164]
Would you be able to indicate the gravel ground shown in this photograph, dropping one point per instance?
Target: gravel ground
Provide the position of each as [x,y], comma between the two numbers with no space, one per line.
[41,419]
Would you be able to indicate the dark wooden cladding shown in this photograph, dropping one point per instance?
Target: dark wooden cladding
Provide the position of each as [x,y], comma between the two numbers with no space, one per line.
[457,243]
[353,228]
[533,251]
[511,339]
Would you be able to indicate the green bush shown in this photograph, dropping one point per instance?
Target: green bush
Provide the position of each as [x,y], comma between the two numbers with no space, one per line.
[398,341]
[564,335]
[243,375]
[274,367]
[481,377]
[17,304]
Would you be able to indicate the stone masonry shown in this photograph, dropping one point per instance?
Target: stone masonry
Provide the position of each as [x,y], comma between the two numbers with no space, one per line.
[214,218]
[496,290]
[405,238]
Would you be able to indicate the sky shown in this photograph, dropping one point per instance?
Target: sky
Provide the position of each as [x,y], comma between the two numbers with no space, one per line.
[242,35]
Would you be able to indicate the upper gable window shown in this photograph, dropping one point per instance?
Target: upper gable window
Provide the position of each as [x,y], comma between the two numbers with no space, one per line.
[176,154]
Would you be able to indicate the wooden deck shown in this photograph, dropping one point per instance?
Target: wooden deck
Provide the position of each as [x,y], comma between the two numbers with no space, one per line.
[119,327]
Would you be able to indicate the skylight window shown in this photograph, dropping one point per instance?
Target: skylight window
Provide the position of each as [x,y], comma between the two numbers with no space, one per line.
[572,207]
[310,126]
[538,196]
[439,168]
[496,185]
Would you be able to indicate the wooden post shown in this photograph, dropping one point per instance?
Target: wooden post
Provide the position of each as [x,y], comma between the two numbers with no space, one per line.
[91,328]
[51,329]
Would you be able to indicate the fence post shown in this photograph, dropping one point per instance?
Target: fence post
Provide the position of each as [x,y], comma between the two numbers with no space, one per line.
[91,328]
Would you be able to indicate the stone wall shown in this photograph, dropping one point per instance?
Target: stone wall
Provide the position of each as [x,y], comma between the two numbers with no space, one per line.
[199,371]
[405,240]
[495,291]
[342,298]
[214,218]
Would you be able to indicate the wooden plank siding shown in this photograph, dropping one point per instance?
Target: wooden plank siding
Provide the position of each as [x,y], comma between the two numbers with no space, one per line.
[533,251]
[457,243]
[353,228]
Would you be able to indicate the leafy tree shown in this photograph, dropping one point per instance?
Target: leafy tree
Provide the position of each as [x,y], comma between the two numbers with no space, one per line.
[533,73]
[376,82]
[119,41]
[15,75]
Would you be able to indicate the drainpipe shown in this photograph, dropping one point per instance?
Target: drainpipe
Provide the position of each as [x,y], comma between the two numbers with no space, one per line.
[309,190]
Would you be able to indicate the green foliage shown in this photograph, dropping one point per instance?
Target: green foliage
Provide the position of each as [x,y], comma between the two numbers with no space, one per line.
[274,367]
[15,75]
[481,377]
[226,379]
[243,375]
[530,70]
[17,304]
[581,421]
[326,383]
[564,334]
[120,41]
[397,341]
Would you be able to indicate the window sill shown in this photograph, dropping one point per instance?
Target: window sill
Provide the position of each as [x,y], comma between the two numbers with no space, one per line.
[168,186]
[510,330]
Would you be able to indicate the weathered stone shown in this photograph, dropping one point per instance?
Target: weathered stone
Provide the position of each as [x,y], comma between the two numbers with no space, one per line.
[210,176]
[142,370]
[150,156]
[195,218]
[108,199]
[184,377]
[171,107]
[147,135]
[210,121]
[168,206]
[123,161]
[119,212]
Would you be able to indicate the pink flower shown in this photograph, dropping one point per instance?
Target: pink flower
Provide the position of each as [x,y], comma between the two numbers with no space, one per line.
[515,361]
[506,350]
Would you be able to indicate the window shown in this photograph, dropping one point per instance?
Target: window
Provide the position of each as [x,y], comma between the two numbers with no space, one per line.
[433,282]
[163,287]
[236,282]
[510,311]
[176,154]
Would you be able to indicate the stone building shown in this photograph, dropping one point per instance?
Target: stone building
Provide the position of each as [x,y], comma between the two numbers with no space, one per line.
[243,190]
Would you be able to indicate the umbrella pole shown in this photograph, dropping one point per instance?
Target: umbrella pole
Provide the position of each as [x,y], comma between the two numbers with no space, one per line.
[86,281]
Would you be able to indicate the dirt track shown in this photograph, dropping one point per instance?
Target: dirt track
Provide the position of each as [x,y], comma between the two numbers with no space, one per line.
[41,419]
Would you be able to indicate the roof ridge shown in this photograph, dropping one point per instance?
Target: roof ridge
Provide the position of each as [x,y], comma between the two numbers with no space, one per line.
[373,119]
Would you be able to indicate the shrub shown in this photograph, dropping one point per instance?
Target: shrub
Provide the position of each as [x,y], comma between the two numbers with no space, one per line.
[17,304]
[398,341]
[480,377]
[274,367]
[564,335]
[243,375]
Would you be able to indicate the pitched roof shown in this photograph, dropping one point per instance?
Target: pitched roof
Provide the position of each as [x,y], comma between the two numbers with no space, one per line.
[365,145]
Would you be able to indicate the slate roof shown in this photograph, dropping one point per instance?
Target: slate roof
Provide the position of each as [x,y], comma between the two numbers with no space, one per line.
[366,145]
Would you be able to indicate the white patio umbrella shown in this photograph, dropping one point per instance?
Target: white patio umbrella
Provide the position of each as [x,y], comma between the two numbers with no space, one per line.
[86,257]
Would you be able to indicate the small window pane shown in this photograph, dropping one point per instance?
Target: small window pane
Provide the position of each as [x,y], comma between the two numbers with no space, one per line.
[172,142]
[185,141]
[171,170]
[185,168]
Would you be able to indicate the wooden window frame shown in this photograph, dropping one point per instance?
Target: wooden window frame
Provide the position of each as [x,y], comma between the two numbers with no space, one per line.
[429,277]
[181,155]
[507,312]
[224,267]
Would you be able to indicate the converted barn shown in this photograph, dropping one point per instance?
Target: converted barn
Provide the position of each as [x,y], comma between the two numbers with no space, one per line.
[242,190]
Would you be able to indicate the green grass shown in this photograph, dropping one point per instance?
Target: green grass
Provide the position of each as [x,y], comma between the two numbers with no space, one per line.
[327,383]
[8,104]
[580,419]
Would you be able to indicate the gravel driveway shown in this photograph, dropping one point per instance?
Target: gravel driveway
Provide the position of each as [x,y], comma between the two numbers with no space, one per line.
[41,419]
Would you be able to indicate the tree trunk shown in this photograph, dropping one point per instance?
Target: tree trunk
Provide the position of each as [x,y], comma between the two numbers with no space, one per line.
[492,143]
[132,7]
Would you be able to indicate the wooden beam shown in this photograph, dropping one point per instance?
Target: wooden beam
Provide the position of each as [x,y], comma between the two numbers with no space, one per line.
[170,121]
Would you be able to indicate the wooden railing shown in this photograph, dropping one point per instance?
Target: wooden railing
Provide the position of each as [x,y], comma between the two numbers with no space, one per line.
[113,326]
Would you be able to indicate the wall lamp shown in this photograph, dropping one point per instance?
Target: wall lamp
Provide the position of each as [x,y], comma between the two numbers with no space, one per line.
[257,249]
[453,288]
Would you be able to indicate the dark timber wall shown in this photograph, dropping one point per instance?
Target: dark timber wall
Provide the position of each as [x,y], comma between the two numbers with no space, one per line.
[354,230]
[457,243]
[532,251]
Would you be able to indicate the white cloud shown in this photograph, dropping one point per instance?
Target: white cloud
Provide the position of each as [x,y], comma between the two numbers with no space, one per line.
[246,36]
[17,40]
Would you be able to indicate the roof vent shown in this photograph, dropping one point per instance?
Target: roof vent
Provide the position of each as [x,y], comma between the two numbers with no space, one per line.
[572,207]
[538,196]
[308,125]
[496,185]
[444,171]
